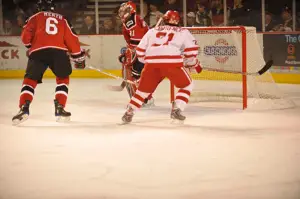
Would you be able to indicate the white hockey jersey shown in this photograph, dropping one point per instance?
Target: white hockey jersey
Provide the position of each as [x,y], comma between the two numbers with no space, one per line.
[167,44]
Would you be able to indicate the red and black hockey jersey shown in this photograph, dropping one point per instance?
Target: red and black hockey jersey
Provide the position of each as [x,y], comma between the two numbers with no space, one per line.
[134,29]
[49,30]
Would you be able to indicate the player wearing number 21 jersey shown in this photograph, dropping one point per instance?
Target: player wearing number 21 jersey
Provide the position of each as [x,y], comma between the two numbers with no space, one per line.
[50,39]
[166,51]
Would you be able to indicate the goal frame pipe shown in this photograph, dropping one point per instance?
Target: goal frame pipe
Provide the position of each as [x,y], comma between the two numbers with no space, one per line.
[244,67]
[244,60]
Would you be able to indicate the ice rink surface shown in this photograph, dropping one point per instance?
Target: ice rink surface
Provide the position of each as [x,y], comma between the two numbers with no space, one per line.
[219,153]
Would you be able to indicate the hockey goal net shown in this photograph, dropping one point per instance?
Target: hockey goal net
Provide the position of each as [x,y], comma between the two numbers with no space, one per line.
[236,49]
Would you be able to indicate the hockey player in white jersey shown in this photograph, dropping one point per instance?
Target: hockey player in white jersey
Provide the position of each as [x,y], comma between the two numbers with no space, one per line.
[166,51]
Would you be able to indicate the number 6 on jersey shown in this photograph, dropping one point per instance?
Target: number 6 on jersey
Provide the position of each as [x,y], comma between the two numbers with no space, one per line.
[51,27]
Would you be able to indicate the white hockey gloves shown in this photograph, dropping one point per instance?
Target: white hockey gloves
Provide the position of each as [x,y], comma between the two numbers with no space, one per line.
[192,64]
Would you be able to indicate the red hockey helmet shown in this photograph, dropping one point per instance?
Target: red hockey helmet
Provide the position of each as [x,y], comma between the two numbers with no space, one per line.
[171,17]
[127,9]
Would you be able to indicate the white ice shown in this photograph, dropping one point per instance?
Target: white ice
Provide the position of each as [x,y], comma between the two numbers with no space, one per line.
[219,153]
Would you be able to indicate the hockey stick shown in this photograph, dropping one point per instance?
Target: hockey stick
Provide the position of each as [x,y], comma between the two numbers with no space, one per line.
[158,22]
[117,88]
[264,69]
[111,75]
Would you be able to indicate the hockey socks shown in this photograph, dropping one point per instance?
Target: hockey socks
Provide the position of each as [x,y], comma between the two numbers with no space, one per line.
[27,91]
[183,96]
[62,90]
[138,99]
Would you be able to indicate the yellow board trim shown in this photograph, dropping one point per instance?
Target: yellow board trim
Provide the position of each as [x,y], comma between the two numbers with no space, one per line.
[290,78]
[13,74]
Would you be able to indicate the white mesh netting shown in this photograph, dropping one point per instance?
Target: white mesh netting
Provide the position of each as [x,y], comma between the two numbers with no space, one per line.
[221,48]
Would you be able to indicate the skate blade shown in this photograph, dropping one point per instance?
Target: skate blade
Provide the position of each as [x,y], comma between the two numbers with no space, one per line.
[177,122]
[61,119]
[124,122]
[147,106]
[17,122]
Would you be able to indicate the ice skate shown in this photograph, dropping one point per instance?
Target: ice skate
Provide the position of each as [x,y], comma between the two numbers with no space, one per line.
[148,103]
[176,114]
[23,114]
[60,113]
[127,117]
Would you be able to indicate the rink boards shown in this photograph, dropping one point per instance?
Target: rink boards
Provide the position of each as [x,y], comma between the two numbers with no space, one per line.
[102,52]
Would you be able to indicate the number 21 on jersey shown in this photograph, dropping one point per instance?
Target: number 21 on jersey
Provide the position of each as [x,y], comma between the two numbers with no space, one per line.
[51,27]
[163,38]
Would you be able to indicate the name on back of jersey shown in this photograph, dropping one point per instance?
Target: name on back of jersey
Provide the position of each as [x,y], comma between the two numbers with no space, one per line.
[168,28]
[55,15]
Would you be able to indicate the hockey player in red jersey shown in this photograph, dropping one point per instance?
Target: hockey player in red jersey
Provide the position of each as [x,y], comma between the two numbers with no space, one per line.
[134,28]
[49,38]
[166,51]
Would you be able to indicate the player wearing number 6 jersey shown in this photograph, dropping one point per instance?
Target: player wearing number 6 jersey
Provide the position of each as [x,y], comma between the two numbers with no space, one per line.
[49,38]
[164,50]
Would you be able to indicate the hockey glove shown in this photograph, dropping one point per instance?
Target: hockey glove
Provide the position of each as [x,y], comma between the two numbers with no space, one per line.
[79,60]
[195,64]
[198,68]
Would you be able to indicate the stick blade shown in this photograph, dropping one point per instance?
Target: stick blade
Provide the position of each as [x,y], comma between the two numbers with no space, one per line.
[268,65]
[117,88]
[114,88]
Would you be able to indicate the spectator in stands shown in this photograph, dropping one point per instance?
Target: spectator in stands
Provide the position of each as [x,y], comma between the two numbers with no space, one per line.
[153,15]
[239,13]
[173,5]
[7,27]
[269,22]
[217,13]
[191,19]
[192,4]
[17,30]
[246,13]
[117,23]
[88,27]
[108,27]
[203,17]
[286,24]
[287,19]
[145,10]
[78,21]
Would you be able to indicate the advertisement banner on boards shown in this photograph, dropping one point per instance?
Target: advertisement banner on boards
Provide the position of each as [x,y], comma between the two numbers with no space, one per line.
[12,53]
[284,49]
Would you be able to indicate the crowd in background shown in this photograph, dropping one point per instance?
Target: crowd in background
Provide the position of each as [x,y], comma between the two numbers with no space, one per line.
[199,13]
